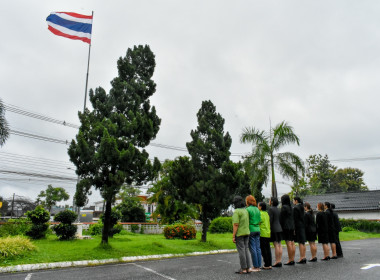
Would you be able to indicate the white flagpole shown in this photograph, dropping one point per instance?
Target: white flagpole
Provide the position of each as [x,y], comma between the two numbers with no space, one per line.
[88,66]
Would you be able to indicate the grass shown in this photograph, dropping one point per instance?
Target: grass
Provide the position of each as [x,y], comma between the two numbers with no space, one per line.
[132,244]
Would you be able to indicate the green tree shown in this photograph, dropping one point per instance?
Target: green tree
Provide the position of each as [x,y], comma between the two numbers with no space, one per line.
[4,128]
[264,159]
[130,208]
[348,180]
[51,196]
[171,206]
[207,179]
[109,148]
[320,173]
[300,189]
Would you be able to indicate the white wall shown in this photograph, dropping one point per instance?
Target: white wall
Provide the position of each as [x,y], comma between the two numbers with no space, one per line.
[360,215]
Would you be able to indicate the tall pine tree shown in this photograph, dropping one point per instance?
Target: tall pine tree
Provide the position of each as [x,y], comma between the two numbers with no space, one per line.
[109,148]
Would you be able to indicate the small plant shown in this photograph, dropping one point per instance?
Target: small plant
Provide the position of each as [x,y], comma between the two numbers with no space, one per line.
[134,228]
[15,246]
[96,229]
[39,218]
[221,225]
[182,231]
[347,229]
[65,230]
[15,227]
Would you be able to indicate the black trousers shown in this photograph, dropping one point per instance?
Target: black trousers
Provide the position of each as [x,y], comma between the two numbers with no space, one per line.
[339,252]
[265,251]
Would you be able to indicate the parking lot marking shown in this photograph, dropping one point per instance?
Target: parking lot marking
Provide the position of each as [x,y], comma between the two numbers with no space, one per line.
[29,276]
[155,272]
[368,266]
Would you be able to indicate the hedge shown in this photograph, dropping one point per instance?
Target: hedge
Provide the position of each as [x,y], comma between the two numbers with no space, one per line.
[221,225]
[361,225]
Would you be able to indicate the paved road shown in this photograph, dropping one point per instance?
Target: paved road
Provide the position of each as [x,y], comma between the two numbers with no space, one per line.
[358,254]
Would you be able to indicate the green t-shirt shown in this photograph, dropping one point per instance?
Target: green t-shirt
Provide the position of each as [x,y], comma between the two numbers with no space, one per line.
[264,225]
[254,218]
[240,217]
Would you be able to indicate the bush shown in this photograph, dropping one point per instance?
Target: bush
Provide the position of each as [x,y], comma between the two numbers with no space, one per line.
[15,246]
[221,225]
[347,229]
[116,229]
[39,217]
[181,231]
[134,228]
[361,225]
[65,230]
[15,227]
[96,229]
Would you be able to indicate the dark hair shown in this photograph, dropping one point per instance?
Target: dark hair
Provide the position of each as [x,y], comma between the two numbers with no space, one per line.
[238,202]
[263,206]
[250,200]
[285,199]
[328,205]
[332,206]
[274,201]
[308,207]
[298,199]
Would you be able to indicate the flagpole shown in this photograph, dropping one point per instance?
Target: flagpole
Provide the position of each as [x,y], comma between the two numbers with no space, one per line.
[88,66]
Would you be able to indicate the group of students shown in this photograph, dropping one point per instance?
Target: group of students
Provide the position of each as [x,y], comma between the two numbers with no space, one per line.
[255,226]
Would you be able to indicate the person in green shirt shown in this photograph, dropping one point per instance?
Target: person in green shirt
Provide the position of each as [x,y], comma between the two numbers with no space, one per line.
[254,228]
[240,234]
[265,236]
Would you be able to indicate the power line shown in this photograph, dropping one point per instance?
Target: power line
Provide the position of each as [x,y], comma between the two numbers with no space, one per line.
[23,112]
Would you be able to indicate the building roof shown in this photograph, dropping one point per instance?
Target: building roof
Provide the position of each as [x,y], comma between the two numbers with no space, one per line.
[348,201]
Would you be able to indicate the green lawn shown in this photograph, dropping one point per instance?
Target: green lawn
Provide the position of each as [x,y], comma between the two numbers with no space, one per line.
[52,250]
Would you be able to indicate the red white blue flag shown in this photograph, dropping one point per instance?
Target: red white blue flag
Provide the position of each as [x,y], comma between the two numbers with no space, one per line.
[71,25]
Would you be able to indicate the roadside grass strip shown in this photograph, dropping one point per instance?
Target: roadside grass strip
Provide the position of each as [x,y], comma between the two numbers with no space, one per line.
[39,266]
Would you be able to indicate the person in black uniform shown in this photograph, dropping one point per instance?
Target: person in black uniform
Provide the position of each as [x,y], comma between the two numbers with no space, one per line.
[275,230]
[287,225]
[299,228]
[311,231]
[331,229]
[322,230]
[338,229]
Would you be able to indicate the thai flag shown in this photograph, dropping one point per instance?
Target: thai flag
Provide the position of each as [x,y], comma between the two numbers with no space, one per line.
[71,25]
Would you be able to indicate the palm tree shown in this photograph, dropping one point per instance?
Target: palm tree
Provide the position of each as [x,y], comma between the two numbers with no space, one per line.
[263,160]
[4,129]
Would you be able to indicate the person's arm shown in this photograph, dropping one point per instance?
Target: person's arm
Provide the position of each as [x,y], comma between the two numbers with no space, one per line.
[235,228]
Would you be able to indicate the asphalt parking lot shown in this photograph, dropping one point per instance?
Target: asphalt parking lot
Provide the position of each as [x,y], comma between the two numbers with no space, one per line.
[361,261]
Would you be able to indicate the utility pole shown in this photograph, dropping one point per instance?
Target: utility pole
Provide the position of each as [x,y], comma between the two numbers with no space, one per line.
[13,202]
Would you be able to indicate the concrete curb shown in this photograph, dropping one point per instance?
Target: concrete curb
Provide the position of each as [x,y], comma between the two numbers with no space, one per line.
[30,267]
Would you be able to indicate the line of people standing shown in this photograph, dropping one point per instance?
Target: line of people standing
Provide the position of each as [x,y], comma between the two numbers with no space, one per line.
[254,228]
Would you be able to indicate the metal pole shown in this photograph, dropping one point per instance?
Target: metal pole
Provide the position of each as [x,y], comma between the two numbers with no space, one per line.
[13,202]
[88,66]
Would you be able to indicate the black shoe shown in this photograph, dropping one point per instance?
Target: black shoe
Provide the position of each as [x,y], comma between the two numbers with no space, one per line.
[334,258]
[313,259]
[290,263]
[340,256]
[326,259]
[277,265]
[302,261]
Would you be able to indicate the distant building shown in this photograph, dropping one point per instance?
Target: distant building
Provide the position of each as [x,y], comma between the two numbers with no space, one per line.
[351,205]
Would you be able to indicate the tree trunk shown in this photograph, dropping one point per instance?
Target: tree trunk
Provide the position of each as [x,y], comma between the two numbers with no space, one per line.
[205,224]
[107,222]
[274,187]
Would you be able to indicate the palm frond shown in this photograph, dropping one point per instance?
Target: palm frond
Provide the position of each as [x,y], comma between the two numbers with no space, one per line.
[283,134]
[253,135]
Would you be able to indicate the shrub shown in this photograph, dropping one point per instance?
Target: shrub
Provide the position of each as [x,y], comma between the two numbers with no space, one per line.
[347,229]
[39,218]
[96,229]
[182,231]
[116,229]
[15,246]
[65,230]
[362,225]
[221,225]
[15,227]
[134,228]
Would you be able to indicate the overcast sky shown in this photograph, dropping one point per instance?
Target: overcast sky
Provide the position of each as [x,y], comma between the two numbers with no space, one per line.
[314,64]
